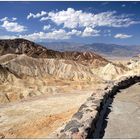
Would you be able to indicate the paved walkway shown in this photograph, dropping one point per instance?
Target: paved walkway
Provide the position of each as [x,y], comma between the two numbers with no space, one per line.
[124,119]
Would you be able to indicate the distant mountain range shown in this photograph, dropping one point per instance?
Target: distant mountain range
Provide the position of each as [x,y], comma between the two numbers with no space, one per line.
[100,48]
[61,46]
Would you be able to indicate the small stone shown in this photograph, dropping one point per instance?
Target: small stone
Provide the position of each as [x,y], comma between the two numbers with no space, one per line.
[97,102]
[83,106]
[72,124]
[61,130]
[90,98]
[74,130]
[1,136]
[78,115]
[89,110]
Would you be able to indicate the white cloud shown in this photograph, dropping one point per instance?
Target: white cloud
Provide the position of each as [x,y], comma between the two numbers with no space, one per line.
[14,18]
[13,26]
[46,27]
[75,32]
[44,18]
[38,15]
[60,34]
[90,32]
[4,19]
[8,37]
[34,36]
[55,35]
[122,36]
[10,25]
[71,18]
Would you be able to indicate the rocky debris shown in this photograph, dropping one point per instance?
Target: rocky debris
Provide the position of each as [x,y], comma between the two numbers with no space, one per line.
[86,123]
[22,46]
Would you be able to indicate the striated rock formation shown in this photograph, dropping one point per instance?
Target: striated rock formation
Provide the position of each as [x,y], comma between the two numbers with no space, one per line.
[22,46]
[23,66]
[111,71]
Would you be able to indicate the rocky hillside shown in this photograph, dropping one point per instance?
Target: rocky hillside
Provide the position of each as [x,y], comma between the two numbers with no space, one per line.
[25,58]
[24,65]
[27,68]
[22,46]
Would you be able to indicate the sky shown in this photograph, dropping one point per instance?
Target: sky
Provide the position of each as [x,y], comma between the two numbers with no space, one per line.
[83,22]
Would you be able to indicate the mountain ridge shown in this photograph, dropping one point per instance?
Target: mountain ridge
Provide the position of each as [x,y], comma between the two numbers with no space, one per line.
[100,48]
[23,46]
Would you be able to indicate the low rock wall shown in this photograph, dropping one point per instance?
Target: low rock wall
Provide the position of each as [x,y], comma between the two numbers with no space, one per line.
[83,123]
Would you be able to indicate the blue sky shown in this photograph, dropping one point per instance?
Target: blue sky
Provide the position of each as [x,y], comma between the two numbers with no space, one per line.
[87,22]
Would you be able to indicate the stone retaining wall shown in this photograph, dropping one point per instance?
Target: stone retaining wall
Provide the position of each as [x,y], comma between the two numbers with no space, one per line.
[83,123]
